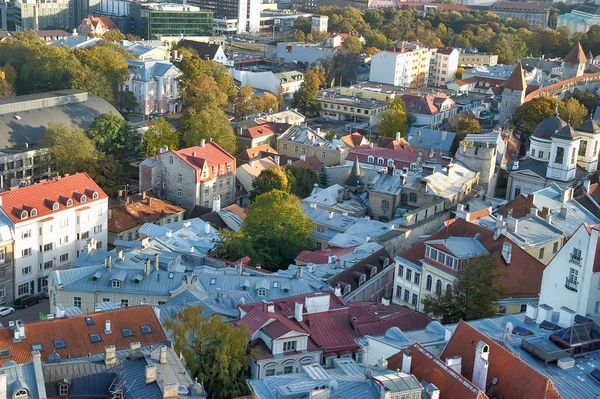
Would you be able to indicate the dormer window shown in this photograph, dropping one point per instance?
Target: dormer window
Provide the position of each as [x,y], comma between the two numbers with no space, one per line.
[21,393]
[373,272]
[33,212]
[362,279]
[55,206]
[390,162]
[371,159]
[83,198]
[116,284]
[69,202]
[380,161]
[347,289]
[24,215]
[95,195]
[63,389]
[262,292]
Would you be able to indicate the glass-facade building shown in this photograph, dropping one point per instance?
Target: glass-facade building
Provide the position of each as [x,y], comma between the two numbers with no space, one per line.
[153,23]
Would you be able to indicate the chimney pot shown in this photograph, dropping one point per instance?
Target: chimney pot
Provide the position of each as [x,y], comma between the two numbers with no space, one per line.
[163,354]
[150,374]
[110,355]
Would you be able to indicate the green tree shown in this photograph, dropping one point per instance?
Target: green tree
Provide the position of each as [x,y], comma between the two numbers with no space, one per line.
[300,36]
[394,119]
[113,35]
[207,124]
[68,145]
[126,100]
[458,73]
[573,112]
[94,82]
[106,131]
[104,170]
[468,126]
[323,177]
[303,182]
[531,113]
[108,58]
[234,246]
[278,229]
[215,351]
[160,133]
[6,89]
[266,103]
[204,84]
[268,180]
[370,51]
[306,96]
[475,293]
[244,100]
[589,100]
[352,45]
[303,24]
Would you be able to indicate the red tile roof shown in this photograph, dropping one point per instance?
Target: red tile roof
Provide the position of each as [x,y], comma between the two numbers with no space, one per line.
[516,379]
[337,329]
[254,320]
[311,162]
[426,366]
[392,143]
[75,332]
[322,256]
[439,6]
[425,105]
[211,154]
[265,129]
[43,195]
[350,275]
[401,158]
[355,140]
[576,55]
[255,152]
[127,216]
[516,80]
[522,277]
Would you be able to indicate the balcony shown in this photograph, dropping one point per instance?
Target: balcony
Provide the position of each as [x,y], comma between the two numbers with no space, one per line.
[575,259]
[571,284]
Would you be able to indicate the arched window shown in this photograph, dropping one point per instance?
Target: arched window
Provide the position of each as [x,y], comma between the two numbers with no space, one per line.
[362,279]
[428,283]
[448,288]
[390,162]
[95,195]
[380,161]
[69,202]
[33,212]
[55,206]
[371,159]
[83,198]
[21,393]
[347,289]
[438,287]
[23,215]
[373,272]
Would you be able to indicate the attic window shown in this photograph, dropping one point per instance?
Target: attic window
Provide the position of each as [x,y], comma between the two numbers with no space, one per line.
[89,321]
[213,281]
[362,279]
[21,393]
[127,332]
[33,212]
[37,347]
[23,215]
[146,329]
[371,159]
[275,284]
[63,389]
[95,338]
[83,198]
[69,202]
[59,344]
[347,289]
[55,206]
[4,353]
[95,195]
[373,272]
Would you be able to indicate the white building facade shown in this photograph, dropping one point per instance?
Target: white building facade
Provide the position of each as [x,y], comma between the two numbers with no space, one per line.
[52,222]
[442,66]
[404,68]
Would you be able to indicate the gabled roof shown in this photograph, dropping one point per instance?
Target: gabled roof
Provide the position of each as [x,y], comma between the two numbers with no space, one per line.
[206,51]
[428,367]
[127,216]
[516,80]
[256,152]
[355,140]
[79,188]
[75,333]
[523,276]
[265,130]
[351,275]
[211,154]
[516,379]
[576,55]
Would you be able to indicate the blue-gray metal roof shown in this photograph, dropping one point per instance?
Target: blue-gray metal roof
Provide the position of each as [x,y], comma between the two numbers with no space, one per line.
[428,138]
[461,247]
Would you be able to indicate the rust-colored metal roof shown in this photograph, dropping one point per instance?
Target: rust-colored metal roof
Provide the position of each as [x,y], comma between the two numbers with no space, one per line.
[576,55]
[516,80]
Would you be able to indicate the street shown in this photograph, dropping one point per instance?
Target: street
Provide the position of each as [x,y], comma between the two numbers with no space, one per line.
[31,313]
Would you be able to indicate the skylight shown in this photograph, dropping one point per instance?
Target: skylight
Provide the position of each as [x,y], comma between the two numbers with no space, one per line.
[37,347]
[95,338]
[4,353]
[59,343]
[89,321]
[146,329]
[127,332]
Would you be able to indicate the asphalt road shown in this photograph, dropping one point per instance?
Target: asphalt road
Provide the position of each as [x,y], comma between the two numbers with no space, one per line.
[31,313]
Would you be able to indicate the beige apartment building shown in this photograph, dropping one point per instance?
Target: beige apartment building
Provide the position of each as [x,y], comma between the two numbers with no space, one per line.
[301,142]
[474,59]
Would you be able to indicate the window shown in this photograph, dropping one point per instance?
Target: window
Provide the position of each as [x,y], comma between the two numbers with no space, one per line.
[77,302]
[59,343]
[270,372]
[428,283]
[385,205]
[25,252]
[541,154]
[560,155]
[48,265]
[116,284]
[98,229]
[170,159]
[555,247]
[127,332]
[284,147]
[399,291]
[124,302]
[180,178]
[576,256]
[417,278]
[37,347]
[296,148]
[414,300]
[403,198]
[21,393]
[400,271]
[406,296]
[323,155]
[64,257]
[438,287]
[48,247]
[380,161]
[289,346]
[582,148]
[26,270]
[541,255]
[85,235]
[408,274]
[145,329]
[179,192]
[413,197]
[502,309]
[573,274]
[370,159]
[262,292]
[448,288]
[573,156]
[95,338]
[288,369]
[23,289]
[362,279]
[523,308]
[26,233]
[63,389]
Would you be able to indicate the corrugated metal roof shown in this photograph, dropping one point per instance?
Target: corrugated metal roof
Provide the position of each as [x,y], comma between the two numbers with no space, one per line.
[461,247]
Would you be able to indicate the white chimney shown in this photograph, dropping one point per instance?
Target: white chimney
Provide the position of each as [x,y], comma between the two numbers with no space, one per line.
[3,386]
[382,363]
[216,207]
[202,142]
[171,390]
[406,361]
[330,216]
[586,186]
[566,317]
[513,225]
[480,367]
[169,233]
[107,327]
[110,355]
[120,257]
[398,136]
[150,374]
[135,350]
[298,311]
[206,228]
[567,195]
[544,313]
[433,391]
[455,363]
[533,212]
[163,354]
[338,291]
[532,311]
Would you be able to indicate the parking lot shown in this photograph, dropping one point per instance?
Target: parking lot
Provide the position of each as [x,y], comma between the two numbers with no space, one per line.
[31,313]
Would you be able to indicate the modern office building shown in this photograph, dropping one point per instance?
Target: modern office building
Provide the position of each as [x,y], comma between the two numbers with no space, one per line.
[534,13]
[166,19]
[37,14]
[246,12]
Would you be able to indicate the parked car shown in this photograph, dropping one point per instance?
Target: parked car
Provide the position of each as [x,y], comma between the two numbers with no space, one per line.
[5,311]
[26,301]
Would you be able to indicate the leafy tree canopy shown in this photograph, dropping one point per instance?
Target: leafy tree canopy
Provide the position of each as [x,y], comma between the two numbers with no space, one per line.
[270,179]
[394,120]
[304,180]
[68,145]
[207,124]
[159,134]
